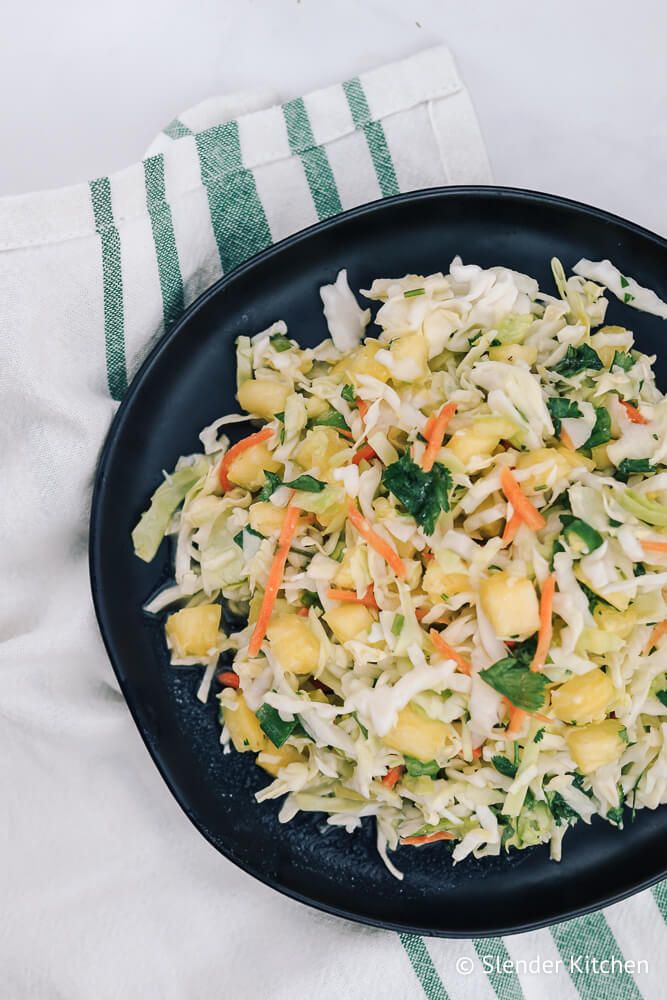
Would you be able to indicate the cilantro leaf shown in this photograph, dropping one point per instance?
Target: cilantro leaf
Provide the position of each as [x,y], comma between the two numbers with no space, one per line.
[560,810]
[601,432]
[279,342]
[662,697]
[270,486]
[523,687]
[631,466]
[310,599]
[524,652]
[331,419]
[504,766]
[348,394]
[578,359]
[622,360]
[539,735]
[559,408]
[238,538]
[416,768]
[423,494]
[307,484]
[275,728]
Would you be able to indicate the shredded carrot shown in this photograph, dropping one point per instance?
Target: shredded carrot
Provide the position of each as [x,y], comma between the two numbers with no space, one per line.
[368,600]
[275,579]
[428,427]
[429,838]
[236,450]
[346,434]
[362,406]
[521,504]
[477,752]
[566,439]
[426,555]
[422,612]
[517,719]
[633,414]
[303,612]
[435,435]
[392,776]
[383,548]
[546,625]
[229,678]
[449,651]
[364,453]
[651,546]
[511,528]
[656,635]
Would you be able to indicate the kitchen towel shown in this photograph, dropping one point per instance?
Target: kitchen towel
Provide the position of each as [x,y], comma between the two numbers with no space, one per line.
[108,891]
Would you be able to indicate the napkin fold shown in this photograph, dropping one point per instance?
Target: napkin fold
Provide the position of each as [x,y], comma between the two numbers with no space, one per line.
[108,890]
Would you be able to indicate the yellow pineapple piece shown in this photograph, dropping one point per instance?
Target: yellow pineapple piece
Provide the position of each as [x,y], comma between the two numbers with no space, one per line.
[595,745]
[584,698]
[510,603]
[194,631]
[263,397]
[243,725]
[349,621]
[294,643]
[247,469]
[417,735]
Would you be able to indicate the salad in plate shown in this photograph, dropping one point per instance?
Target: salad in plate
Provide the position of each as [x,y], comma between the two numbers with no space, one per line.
[426,583]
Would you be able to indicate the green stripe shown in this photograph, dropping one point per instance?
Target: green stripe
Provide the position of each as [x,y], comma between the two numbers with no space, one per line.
[314,159]
[423,966]
[375,137]
[506,985]
[591,936]
[176,129]
[166,252]
[237,216]
[112,282]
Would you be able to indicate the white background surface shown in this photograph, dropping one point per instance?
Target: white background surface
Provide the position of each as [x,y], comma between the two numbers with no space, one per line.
[571,95]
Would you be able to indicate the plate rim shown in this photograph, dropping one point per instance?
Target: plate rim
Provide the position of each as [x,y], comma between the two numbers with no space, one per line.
[527,196]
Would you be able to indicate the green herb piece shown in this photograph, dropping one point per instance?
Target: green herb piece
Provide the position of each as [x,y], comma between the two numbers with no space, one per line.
[348,394]
[578,359]
[504,766]
[275,728]
[423,494]
[627,297]
[601,432]
[539,735]
[581,537]
[281,416]
[309,599]
[307,484]
[238,538]
[623,360]
[624,281]
[412,292]
[270,486]
[475,337]
[662,697]
[555,549]
[578,782]
[331,419]
[523,687]
[616,815]
[524,652]
[592,598]
[279,342]
[560,810]
[339,550]
[639,569]
[397,624]
[560,408]
[418,768]
[631,466]
[364,731]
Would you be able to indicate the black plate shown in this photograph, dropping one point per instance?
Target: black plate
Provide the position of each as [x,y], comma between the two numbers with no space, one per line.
[188,381]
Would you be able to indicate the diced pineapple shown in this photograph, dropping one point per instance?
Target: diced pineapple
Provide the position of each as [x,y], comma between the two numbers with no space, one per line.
[584,698]
[266,518]
[362,362]
[244,727]
[344,577]
[511,353]
[247,469]
[556,466]
[481,438]
[194,631]
[619,599]
[315,406]
[600,456]
[347,621]
[620,623]
[438,584]
[575,459]
[263,397]
[294,643]
[417,735]
[274,758]
[318,450]
[510,603]
[595,745]
[411,356]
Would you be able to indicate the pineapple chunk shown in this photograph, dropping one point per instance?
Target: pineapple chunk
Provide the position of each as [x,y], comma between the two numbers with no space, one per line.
[247,469]
[417,735]
[481,438]
[595,745]
[347,621]
[510,603]
[294,643]
[194,631]
[584,698]
[244,727]
[318,450]
[411,356]
[315,406]
[274,758]
[619,599]
[362,362]
[557,468]
[511,353]
[438,584]
[266,518]
[263,397]
[620,623]
[600,456]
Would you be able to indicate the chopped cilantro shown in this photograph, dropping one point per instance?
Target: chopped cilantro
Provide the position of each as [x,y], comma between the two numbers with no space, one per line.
[348,394]
[307,484]
[504,766]
[627,297]
[622,360]
[523,687]
[412,292]
[601,432]
[578,359]
[331,419]
[560,810]
[423,494]
[624,281]
[279,342]
[539,735]
[560,408]
[417,768]
[275,728]
[631,466]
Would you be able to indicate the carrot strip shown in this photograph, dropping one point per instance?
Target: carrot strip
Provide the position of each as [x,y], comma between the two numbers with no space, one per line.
[655,637]
[566,439]
[449,651]
[650,546]
[429,838]
[236,450]
[633,414]
[546,625]
[511,528]
[365,452]
[362,406]
[521,504]
[229,678]
[428,427]
[275,579]
[517,719]
[436,435]
[368,600]
[384,549]
[302,612]
[392,776]
[477,752]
